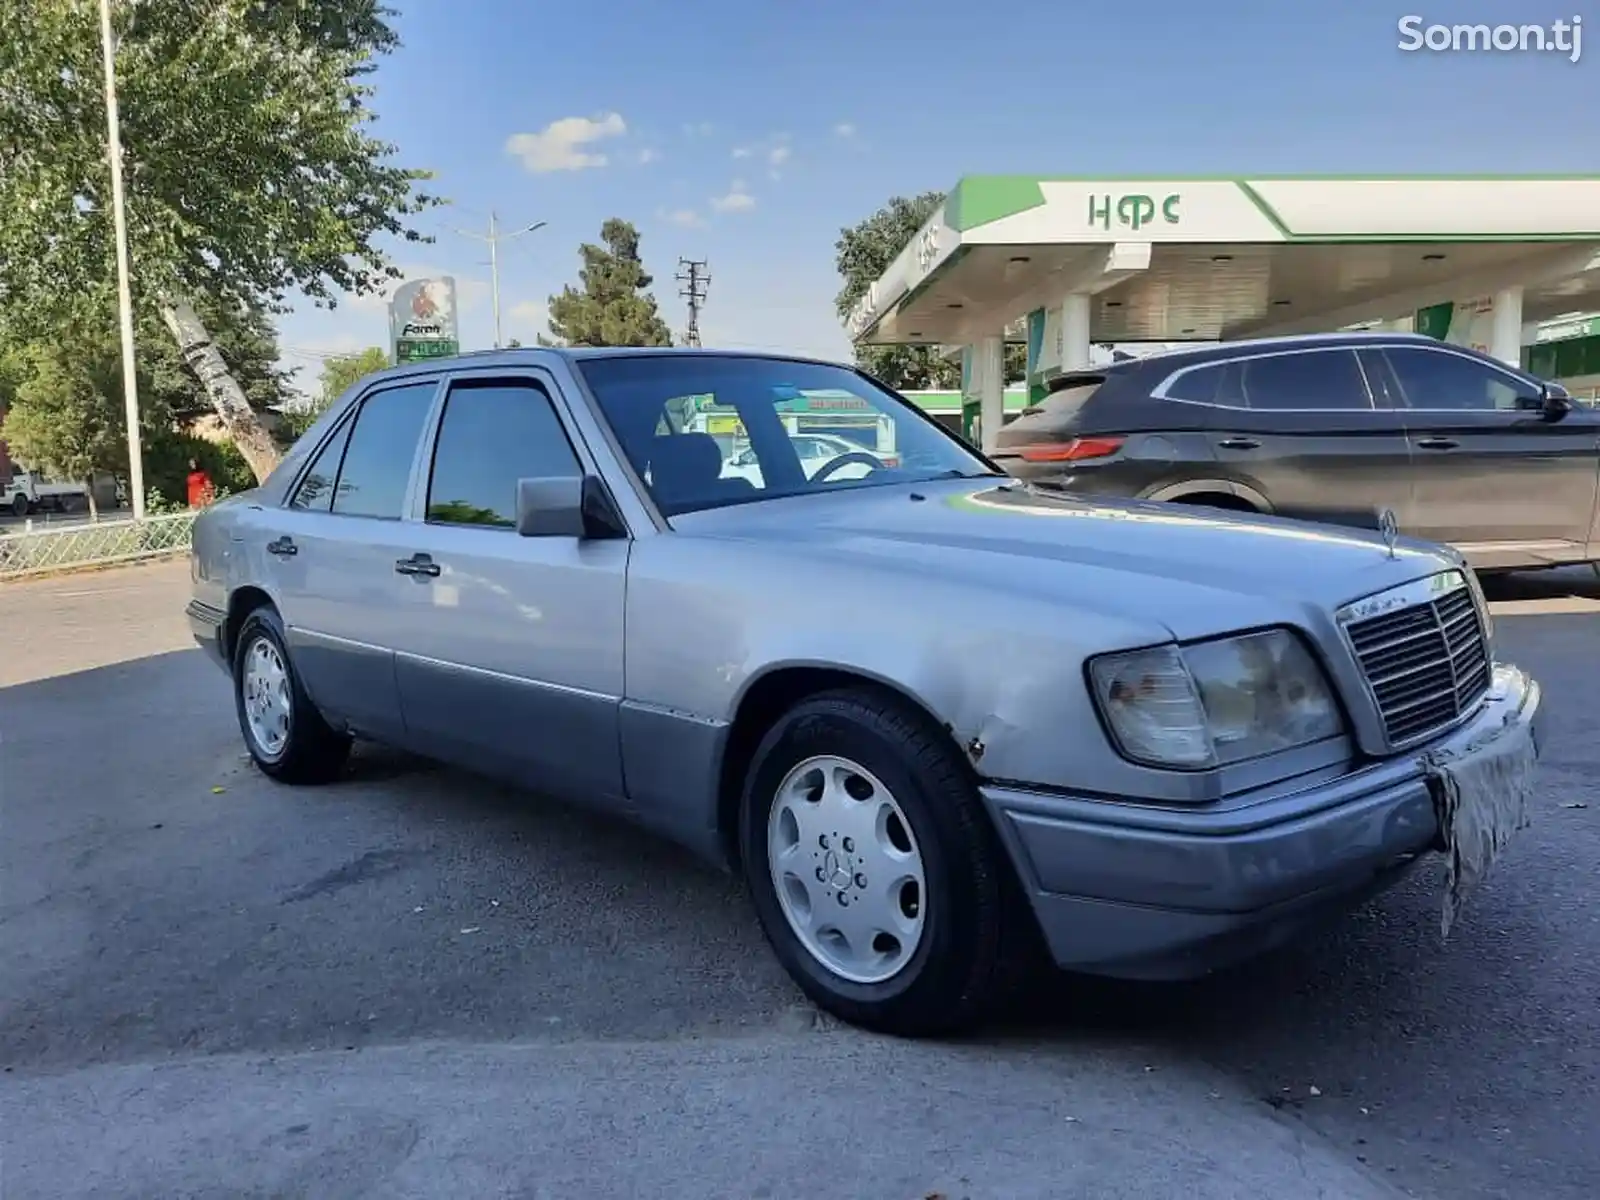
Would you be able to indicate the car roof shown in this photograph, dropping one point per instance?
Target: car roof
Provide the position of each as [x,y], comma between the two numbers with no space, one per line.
[1167,361]
[530,355]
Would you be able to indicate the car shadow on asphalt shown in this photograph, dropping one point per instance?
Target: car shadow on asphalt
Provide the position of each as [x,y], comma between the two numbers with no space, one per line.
[1562,583]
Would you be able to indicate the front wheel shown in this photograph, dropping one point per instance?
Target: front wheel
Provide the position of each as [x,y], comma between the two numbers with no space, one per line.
[19,505]
[875,871]
[285,734]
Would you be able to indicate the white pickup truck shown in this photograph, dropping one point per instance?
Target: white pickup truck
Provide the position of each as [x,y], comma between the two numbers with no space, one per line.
[29,491]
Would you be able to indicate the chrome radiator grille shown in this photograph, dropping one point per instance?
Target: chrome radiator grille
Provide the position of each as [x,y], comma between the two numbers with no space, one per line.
[1426,660]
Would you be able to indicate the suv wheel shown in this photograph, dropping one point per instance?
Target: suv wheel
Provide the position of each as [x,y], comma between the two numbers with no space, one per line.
[875,871]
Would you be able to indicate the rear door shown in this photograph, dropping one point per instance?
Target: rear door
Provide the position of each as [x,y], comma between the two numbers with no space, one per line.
[1493,475]
[329,557]
[1302,428]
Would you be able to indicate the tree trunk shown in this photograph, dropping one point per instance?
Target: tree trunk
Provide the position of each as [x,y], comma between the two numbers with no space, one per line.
[94,509]
[205,360]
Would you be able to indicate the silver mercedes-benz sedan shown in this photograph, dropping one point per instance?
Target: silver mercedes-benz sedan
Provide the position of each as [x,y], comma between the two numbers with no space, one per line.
[937,720]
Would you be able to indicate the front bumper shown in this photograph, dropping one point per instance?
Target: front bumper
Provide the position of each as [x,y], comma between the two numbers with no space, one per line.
[1139,891]
[206,624]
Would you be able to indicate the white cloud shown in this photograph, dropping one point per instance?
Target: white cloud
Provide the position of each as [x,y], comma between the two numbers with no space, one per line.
[699,129]
[778,155]
[737,199]
[844,129]
[566,145]
[743,151]
[687,218]
[649,155]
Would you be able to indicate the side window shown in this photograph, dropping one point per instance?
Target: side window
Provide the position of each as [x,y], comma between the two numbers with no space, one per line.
[377,462]
[315,493]
[492,435]
[1318,379]
[1199,384]
[1441,381]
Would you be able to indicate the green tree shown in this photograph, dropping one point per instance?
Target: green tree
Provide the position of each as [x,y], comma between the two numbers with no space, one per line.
[339,373]
[242,334]
[66,401]
[342,372]
[613,308]
[60,418]
[862,254]
[250,167]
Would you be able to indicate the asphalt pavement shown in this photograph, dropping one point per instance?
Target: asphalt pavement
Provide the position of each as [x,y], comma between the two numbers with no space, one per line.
[417,983]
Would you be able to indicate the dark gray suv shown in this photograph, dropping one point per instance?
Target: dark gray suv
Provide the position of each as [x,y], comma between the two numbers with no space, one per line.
[1335,428]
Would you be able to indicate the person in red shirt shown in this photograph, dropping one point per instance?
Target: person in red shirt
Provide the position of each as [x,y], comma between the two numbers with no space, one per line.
[200,489]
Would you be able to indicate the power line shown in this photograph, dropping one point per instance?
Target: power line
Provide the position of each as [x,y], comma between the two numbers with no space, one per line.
[695,280]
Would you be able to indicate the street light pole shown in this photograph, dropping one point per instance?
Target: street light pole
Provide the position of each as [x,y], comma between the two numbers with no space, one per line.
[494,277]
[494,239]
[130,380]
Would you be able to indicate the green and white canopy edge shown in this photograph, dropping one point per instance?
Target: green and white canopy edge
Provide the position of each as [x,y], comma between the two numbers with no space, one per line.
[1168,259]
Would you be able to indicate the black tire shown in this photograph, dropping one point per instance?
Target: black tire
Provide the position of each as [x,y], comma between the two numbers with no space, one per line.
[19,505]
[978,937]
[313,752]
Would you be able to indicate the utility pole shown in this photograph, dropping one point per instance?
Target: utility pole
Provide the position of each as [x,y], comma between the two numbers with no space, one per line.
[693,276]
[494,238]
[119,222]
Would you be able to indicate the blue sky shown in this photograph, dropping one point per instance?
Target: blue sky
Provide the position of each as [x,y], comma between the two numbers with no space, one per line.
[748,135]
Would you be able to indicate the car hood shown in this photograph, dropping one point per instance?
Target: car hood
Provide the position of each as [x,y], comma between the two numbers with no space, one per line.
[1194,570]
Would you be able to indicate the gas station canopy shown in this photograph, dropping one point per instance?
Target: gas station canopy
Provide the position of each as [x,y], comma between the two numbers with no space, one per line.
[1193,259]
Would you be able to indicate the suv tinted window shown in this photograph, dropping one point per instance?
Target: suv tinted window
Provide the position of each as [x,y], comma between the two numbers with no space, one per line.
[1439,380]
[315,493]
[492,435]
[377,462]
[1316,379]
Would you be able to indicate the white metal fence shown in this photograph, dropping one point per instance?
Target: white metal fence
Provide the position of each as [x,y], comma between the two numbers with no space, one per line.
[35,551]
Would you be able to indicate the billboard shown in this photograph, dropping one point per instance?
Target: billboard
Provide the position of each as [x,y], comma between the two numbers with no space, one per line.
[422,320]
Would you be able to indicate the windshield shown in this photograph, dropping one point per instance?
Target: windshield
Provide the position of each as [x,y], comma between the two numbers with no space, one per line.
[705,431]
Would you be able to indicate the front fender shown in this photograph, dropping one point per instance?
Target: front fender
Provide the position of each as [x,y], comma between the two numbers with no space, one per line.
[1002,670]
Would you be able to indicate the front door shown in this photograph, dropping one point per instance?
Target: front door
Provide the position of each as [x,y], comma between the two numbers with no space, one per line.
[509,654]
[1493,475]
[1301,428]
[329,558]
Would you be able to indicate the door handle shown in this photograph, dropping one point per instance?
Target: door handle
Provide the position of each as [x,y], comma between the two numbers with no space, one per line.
[417,564]
[1438,443]
[283,547]
[1239,443]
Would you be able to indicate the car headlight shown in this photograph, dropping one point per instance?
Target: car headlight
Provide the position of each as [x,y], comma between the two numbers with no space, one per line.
[1213,703]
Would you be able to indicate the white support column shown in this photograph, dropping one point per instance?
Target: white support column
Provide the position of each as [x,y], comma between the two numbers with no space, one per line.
[1505,340]
[1075,331]
[989,365]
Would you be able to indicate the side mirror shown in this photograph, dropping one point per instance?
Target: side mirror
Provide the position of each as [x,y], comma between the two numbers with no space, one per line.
[1554,402]
[575,506]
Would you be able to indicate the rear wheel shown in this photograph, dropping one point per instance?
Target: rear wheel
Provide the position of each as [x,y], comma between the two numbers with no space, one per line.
[285,734]
[875,870]
[19,505]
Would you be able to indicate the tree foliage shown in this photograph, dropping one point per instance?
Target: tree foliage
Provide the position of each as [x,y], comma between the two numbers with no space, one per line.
[60,419]
[251,171]
[339,373]
[244,336]
[344,371]
[862,254]
[63,409]
[613,307]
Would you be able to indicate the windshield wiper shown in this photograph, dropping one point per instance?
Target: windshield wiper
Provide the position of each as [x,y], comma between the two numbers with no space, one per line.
[959,474]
